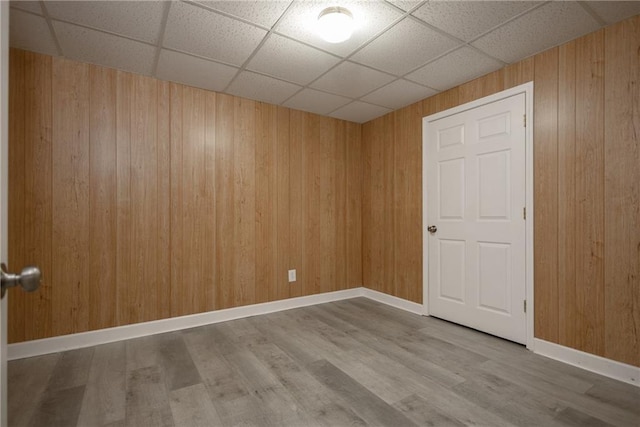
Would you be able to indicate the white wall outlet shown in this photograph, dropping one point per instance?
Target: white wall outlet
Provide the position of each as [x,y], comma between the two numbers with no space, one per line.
[292,276]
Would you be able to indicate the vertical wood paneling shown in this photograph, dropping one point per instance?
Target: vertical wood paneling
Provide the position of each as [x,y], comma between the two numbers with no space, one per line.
[545,159]
[590,192]
[266,203]
[481,87]
[355,201]
[70,183]
[311,205]
[190,293]
[340,182]
[163,226]
[17,231]
[170,200]
[622,192]
[283,214]
[144,290]
[296,200]
[38,197]
[123,196]
[210,256]
[408,207]
[327,214]
[102,197]
[225,194]
[518,73]
[244,201]
[176,216]
[567,332]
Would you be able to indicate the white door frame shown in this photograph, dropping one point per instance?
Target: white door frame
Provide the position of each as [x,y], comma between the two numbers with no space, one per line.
[527,89]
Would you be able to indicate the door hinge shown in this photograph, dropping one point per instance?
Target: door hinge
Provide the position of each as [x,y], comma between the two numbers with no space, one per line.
[525,305]
[524,120]
[524,213]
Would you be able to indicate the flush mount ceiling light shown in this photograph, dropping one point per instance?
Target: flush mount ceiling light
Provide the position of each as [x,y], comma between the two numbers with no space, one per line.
[335,24]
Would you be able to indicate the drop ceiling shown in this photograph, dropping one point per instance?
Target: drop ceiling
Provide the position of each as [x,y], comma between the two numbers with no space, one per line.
[401,51]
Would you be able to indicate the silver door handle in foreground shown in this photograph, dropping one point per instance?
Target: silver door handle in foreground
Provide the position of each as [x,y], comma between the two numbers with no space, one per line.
[432,229]
[29,279]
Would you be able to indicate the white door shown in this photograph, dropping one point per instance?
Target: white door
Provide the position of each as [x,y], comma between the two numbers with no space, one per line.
[4,136]
[475,184]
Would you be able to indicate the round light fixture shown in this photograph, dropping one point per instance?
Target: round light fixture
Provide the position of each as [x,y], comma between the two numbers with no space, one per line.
[335,24]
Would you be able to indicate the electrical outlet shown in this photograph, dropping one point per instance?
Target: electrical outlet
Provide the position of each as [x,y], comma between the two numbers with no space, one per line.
[292,276]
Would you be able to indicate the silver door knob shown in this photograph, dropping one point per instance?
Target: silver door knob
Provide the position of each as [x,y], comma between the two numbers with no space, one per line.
[432,229]
[29,279]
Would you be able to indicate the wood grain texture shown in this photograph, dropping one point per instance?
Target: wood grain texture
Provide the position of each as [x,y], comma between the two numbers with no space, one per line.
[297,241]
[70,183]
[408,208]
[567,324]
[16,218]
[102,197]
[123,194]
[225,250]
[519,73]
[545,160]
[622,192]
[283,194]
[589,214]
[354,213]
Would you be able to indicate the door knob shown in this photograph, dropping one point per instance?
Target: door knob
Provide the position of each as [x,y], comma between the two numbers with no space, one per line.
[432,229]
[29,279]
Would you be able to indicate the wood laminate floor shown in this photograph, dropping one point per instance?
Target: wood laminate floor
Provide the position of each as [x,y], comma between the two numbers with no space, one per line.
[347,363]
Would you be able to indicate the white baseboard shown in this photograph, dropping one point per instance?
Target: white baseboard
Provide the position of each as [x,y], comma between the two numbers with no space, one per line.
[590,362]
[396,302]
[118,333]
[610,368]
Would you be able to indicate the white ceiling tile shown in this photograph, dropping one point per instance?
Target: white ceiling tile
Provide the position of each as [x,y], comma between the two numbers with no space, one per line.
[469,19]
[289,60]
[83,44]
[552,24]
[454,68]
[359,112]
[264,13]
[615,11]
[315,101]
[262,88]
[138,20]
[29,6]
[399,94]
[195,30]
[352,80]
[192,71]
[406,46]
[370,17]
[30,32]
[405,5]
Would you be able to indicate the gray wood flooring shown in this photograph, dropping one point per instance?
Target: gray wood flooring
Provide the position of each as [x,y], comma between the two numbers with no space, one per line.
[348,363]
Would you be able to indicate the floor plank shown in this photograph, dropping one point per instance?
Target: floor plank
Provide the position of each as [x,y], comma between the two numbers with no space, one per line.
[354,362]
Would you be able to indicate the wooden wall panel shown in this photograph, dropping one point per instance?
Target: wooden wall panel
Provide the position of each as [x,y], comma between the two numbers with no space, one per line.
[590,192]
[266,204]
[586,191]
[244,213]
[123,194]
[622,192]
[545,161]
[567,322]
[408,208]
[16,233]
[283,214]
[354,212]
[142,199]
[225,253]
[102,196]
